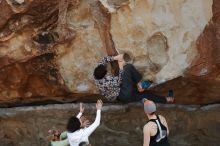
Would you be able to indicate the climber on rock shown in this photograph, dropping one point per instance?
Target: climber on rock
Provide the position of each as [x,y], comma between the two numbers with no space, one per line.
[127,86]
[156,129]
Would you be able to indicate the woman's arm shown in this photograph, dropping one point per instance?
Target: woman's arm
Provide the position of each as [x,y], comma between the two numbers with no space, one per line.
[81,110]
[146,138]
[88,131]
[105,60]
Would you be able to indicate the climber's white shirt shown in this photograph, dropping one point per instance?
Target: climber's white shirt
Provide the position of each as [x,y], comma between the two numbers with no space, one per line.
[83,134]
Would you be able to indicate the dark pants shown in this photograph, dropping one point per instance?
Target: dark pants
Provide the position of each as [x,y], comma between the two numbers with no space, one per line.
[128,88]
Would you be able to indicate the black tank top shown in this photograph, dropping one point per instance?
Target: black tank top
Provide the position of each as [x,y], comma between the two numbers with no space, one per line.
[160,139]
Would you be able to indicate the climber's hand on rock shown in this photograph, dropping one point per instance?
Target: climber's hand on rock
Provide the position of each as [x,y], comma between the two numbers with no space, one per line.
[119,57]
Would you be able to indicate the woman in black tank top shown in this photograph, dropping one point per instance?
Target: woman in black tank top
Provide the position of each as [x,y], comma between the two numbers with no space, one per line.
[160,139]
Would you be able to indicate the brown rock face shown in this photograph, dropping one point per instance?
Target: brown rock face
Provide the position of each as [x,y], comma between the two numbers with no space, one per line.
[49,48]
[103,20]
[36,77]
[191,125]
[188,90]
[207,61]
[28,59]
[205,69]
[7,13]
